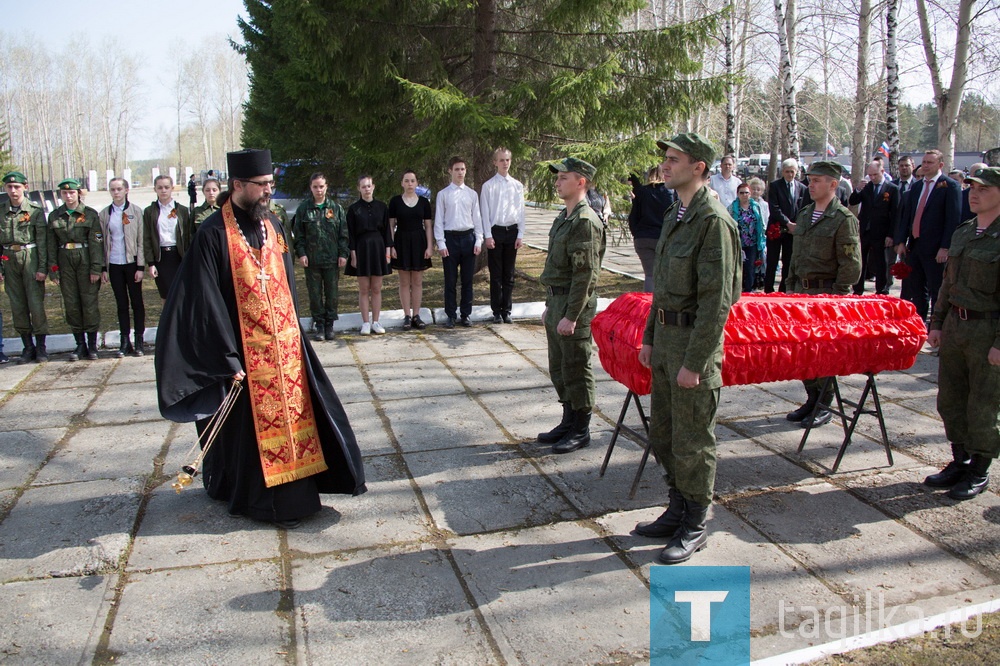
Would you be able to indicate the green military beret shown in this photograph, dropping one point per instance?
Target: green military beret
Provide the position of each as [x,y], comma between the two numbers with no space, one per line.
[990,176]
[585,169]
[15,177]
[825,168]
[69,184]
[692,144]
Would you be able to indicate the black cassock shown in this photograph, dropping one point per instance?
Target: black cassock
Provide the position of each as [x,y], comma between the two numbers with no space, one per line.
[198,350]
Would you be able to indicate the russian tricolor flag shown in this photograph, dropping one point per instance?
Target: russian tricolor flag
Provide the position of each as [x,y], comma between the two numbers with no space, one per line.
[884,149]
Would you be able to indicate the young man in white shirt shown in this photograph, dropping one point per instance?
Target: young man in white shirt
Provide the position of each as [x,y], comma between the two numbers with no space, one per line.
[725,183]
[502,205]
[458,232]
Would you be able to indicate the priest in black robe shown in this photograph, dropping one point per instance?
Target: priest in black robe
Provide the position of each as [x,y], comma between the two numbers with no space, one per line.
[230,316]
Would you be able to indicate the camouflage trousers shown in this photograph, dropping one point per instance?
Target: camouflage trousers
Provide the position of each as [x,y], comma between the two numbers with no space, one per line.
[968,386]
[570,365]
[79,294]
[26,294]
[323,283]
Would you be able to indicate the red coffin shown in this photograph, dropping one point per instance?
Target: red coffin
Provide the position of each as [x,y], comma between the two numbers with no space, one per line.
[776,337]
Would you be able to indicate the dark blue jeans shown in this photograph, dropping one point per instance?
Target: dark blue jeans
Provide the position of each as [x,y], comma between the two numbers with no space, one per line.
[461,258]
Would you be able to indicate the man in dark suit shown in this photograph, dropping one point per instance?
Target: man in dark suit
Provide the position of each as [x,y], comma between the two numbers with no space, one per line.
[931,214]
[878,217]
[784,200]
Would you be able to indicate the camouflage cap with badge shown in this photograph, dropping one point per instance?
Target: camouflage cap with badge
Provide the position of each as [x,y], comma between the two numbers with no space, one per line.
[585,169]
[825,168]
[693,144]
[15,177]
[989,176]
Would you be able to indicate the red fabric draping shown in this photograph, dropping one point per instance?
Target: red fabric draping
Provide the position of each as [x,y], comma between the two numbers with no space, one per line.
[778,337]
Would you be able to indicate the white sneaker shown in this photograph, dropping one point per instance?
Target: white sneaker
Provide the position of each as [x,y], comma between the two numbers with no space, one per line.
[366,329]
[377,328]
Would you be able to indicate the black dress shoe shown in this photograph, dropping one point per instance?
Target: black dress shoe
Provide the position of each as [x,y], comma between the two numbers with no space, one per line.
[506,319]
[497,319]
[450,323]
[464,321]
[823,416]
[289,524]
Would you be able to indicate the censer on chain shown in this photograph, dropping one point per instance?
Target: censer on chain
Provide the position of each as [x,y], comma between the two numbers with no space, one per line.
[208,435]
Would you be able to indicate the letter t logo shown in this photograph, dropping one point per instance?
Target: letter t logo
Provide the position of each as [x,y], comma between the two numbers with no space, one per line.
[701,610]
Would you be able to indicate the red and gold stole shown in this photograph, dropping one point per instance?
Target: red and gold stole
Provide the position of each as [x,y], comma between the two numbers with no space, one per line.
[277,382]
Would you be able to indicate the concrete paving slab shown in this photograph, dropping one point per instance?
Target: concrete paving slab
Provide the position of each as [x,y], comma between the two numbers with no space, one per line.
[389,513]
[498,372]
[413,379]
[853,546]
[13,374]
[741,402]
[42,632]
[743,466]
[450,344]
[71,529]
[85,455]
[189,529]
[441,422]
[523,336]
[525,413]
[404,606]
[484,488]
[373,440]
[59,408]
[391,349]
[176,616]
[349,384]
[131,370]
[125,403]
[556,594]
[76,374]
[334,353]
[23,452]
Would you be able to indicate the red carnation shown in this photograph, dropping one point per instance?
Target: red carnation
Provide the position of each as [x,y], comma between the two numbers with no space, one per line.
[773,232]
[900,270]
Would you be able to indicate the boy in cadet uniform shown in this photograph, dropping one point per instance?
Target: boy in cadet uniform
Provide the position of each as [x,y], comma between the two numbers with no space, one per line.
[965,325]
[25,246]
[76,241]
[572,267]
[322,246]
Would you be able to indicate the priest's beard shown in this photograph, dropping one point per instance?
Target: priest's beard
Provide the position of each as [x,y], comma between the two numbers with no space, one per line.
[258,209]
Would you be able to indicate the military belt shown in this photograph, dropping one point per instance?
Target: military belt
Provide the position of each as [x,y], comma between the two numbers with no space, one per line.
[13,247]
[667,318]
[817,284]
[965,315]
[73,246]
[557,291]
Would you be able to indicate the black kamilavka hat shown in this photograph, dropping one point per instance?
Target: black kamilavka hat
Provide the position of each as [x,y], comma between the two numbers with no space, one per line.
[249,163]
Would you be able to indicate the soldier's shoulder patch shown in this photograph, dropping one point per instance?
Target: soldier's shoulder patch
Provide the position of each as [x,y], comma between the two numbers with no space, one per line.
[579,259]
[852,250]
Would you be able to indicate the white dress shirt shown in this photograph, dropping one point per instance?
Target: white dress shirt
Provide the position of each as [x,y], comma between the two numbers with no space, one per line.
[116,236]
[502,204]
[726,189]
[167,226]
[457,209]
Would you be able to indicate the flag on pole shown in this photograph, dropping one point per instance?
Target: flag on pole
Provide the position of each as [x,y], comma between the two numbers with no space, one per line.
[884,149]
[830,150]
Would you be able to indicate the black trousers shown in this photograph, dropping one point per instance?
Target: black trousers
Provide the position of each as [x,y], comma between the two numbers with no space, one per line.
[780,248]
[501,264]
[873,262]
[127,291]
[167,267]
[461,257]
[922,286]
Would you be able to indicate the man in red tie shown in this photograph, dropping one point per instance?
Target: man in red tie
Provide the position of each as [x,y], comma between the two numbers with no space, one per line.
[931,212]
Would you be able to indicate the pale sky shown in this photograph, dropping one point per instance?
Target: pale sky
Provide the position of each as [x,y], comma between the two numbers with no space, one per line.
[158,33]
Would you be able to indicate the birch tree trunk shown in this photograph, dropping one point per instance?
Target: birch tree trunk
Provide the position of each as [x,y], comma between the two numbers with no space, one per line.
[786,73]
[892,84]
[859,138]
[730,29]
[949,100]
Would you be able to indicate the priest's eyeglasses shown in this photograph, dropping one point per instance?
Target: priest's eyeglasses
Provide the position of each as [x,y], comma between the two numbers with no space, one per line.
[259,183]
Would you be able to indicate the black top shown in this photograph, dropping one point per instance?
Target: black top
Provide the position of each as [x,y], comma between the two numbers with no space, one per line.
[410,218]
[645,220]
[365,217]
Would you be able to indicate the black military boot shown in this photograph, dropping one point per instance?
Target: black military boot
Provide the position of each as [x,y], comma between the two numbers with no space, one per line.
[328,330]
[139,346]
[317,330]
[92,346]
[81,348]
[668,522]
[554,435]
[690,537]
[578,435]
[806,409]
[125,347]
[975,481]
[823,414]
[28,354]
[953,472]
[41,355]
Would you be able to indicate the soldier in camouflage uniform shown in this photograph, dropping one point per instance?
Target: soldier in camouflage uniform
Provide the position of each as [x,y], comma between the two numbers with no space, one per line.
[321,244]
[966,325]
[24,243]
[211,189]
[572,266]
[75,239]
[696,280]
[826,259]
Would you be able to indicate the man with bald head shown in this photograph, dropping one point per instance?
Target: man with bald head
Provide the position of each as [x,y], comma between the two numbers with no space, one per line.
[877,219]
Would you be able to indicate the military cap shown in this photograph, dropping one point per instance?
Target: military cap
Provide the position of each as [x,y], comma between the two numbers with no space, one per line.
[585,169]
[69,184]
[692,144]
[990,176]
[15,177]
[825,168]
